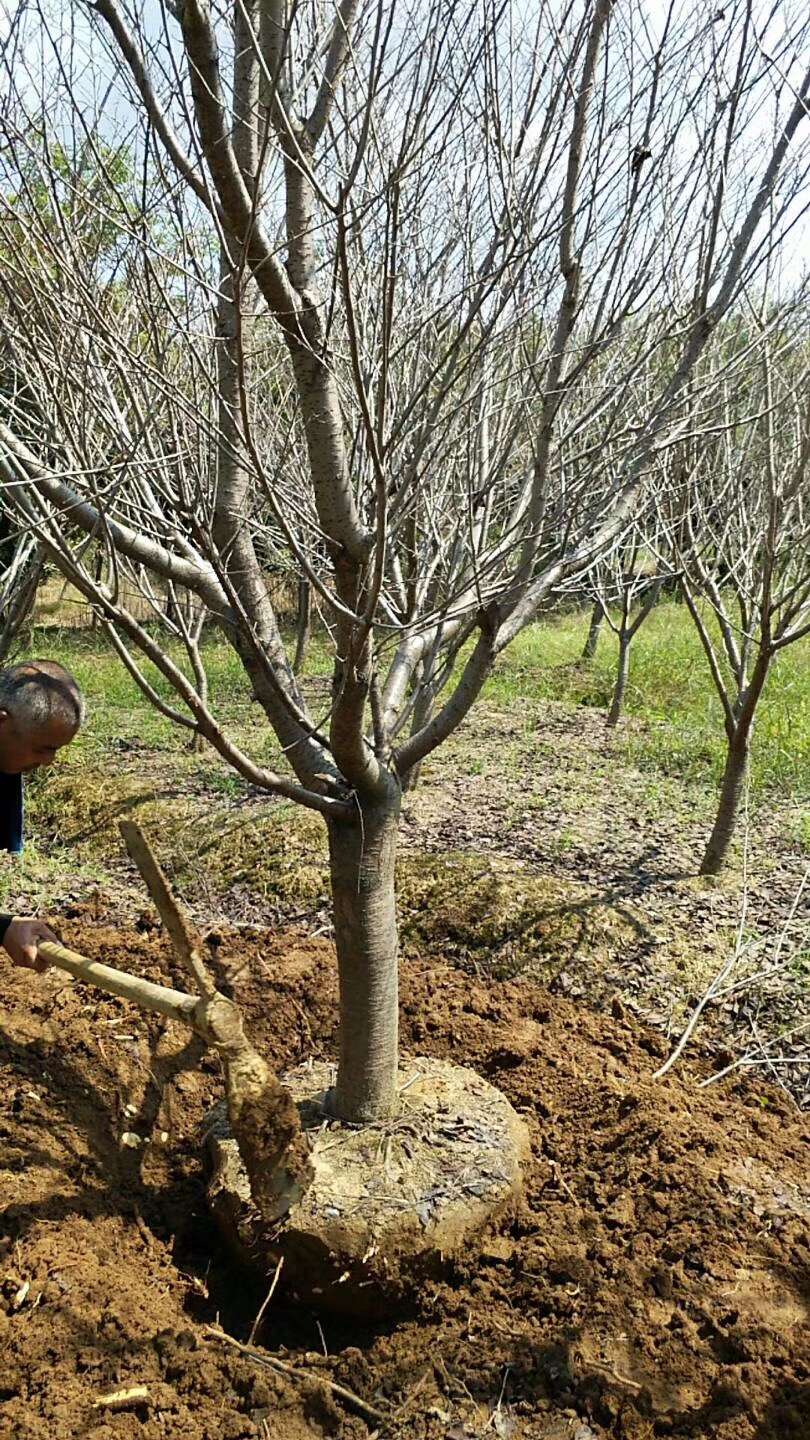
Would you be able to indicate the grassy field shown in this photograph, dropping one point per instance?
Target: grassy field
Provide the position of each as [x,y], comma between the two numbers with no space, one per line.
[670,690]
[536,837]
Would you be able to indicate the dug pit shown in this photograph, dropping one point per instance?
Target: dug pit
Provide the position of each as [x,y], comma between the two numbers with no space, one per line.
[390,1203]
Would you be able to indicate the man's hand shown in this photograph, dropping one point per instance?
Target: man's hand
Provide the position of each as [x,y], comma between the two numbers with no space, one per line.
[22,939]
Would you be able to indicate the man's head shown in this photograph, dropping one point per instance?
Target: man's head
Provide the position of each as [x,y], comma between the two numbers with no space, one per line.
[41,709]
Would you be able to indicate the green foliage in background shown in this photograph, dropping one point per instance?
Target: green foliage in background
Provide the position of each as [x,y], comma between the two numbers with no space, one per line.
[670,689]
[675,726]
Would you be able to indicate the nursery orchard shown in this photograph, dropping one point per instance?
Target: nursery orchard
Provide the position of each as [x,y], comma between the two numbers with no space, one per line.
[413,403]
[556,938]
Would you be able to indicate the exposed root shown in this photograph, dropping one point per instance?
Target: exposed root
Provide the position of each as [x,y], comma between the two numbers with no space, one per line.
[265,1119]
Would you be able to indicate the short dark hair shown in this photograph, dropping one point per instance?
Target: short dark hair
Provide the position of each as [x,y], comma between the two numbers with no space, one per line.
[39,691]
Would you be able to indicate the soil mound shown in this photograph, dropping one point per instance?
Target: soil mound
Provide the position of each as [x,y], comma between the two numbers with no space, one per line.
[656,1283]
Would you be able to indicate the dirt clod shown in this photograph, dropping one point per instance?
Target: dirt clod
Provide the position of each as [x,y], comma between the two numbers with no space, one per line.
[389,1203]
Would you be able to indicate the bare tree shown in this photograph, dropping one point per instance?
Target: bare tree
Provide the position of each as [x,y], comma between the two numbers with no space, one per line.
[744,539]
[386,305]
[633,576]
[19,583]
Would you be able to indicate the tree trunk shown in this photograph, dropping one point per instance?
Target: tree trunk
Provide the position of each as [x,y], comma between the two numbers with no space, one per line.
[302,625]
[736,771]
[594,629]
[731,793]
[200,674]
[98,569]
[621,681]
[362,855]
[16,620]
[422,711]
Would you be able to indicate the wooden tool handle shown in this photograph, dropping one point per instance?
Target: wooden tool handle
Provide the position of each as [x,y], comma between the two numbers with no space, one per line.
[159,998]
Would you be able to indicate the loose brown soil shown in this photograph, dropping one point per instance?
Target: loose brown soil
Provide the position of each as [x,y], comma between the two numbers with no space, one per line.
[656,1284]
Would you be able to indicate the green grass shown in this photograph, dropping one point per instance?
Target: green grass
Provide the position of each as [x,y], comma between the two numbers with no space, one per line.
[38,876]
[119,716]
[216,839]
[671,689]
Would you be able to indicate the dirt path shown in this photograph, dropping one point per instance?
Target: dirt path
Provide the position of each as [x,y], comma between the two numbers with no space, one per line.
[656,1284]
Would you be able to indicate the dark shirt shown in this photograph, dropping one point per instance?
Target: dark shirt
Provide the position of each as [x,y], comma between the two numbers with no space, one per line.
[11,825]
[11,813]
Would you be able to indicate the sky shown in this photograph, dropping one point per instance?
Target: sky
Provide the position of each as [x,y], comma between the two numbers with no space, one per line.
[102,100]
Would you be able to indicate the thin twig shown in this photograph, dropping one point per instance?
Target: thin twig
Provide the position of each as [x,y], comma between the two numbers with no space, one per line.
[751,1058]
[401,1409]
[609,1370]
[363,1407]
[266,1301]
[715,986]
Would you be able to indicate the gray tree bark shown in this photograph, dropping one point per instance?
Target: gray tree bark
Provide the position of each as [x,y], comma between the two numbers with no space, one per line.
[303,624]
[422,711]
[594,629]
[735,774]
[622,672]
[732,789]
[362,857]
[627,634]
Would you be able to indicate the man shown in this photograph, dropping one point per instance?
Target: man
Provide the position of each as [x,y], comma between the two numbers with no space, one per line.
[41,709]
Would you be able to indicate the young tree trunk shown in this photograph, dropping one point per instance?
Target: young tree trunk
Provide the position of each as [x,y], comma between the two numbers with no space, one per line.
[200,674]
[594,630]
[362,856]
[421,714]
[16,620]
[731,793]
[98,570]
[170,610]
[303,624]
[736,770]
[621,680]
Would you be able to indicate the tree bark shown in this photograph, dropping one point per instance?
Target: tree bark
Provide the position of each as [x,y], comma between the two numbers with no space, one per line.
[195,626]
[620,687]
[594,629]
[302,624]
[731,793]
[739,729]
[362,855]
[422,711]
[16,620]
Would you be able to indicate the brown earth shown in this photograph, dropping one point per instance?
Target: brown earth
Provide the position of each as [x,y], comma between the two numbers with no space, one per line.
[656,1284]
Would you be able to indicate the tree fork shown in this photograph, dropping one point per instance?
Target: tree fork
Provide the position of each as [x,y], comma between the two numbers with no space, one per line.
[622,673]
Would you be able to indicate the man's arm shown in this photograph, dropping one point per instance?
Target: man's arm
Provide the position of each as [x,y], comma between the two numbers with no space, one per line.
[20,937]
